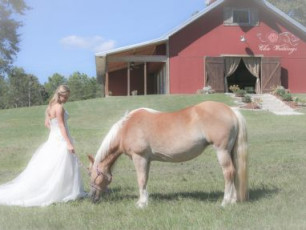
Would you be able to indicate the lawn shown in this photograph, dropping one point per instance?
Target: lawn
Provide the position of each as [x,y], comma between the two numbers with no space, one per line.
[182,196]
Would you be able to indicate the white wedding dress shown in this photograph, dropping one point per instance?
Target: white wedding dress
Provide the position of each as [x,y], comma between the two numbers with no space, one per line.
[52,175]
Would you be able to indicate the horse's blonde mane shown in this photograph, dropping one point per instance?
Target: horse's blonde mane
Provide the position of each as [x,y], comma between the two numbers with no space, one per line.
[106,143]
[111,135]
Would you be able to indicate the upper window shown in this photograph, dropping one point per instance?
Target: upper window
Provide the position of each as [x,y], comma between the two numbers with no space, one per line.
[240,16]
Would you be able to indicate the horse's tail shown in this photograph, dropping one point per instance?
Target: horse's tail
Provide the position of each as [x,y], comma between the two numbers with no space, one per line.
[240,158]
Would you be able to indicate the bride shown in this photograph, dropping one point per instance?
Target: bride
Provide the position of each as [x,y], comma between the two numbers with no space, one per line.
[53,173]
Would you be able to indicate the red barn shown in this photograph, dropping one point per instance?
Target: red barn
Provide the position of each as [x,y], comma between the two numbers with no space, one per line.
[231,42]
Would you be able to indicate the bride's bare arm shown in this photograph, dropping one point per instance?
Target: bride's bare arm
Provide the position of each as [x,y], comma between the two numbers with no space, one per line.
[47,120]
[61,124]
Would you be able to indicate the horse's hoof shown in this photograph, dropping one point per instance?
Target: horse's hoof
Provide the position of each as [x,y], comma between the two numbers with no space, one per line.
[141,204]
[226,202]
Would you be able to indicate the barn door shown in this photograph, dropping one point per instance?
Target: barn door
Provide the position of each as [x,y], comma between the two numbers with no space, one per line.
[214,73]
[270,73]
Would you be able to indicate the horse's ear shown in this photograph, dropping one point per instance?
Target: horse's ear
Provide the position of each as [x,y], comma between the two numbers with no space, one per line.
[91,158]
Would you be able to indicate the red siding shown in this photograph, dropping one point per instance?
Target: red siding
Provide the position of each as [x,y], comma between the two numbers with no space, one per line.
[118,81]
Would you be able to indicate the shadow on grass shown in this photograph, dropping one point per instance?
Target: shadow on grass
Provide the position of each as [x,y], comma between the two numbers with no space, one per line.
[118,194]
[195,195]
[255,194]
[262,192]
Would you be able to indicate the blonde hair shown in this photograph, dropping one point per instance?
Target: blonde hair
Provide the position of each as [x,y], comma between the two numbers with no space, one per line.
[62,90]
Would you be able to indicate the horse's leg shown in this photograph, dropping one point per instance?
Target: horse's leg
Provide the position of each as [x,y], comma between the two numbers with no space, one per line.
[142,166]
[225,160]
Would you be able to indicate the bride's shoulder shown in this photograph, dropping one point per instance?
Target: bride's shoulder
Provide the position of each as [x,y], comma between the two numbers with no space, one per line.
[57,108]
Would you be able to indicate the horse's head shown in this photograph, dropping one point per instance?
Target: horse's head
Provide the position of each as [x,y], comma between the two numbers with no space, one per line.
[100,178]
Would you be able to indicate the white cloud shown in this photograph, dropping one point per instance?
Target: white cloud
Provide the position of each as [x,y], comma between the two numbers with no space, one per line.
[95,43]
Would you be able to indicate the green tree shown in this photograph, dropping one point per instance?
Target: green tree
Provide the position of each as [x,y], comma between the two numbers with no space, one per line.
[82,87]
[9,37]
[22,89]
[53,82]
[294,8]
[3,93]
[36,91]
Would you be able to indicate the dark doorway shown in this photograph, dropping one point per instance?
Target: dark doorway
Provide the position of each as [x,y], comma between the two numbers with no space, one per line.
[243,78]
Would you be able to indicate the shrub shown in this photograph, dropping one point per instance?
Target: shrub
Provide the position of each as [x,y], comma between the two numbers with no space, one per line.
[287,97]
[247,99]
[234,88]
[208,90]
[279,91]
[283,93]
[300,101]
[240,93]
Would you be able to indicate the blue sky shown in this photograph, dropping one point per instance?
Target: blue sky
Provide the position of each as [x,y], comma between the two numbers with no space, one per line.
[62,36]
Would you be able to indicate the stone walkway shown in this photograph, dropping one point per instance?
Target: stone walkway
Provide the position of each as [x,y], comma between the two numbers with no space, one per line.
[275,105]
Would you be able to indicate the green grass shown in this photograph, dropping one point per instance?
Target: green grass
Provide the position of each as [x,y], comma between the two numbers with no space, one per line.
[182,196]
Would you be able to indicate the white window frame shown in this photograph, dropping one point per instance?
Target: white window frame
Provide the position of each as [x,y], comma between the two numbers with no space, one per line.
[228,16]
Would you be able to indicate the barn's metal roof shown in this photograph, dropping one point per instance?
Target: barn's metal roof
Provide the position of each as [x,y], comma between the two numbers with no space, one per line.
[130,47]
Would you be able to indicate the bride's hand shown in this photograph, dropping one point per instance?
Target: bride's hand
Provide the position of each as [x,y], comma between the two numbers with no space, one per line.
[70,148]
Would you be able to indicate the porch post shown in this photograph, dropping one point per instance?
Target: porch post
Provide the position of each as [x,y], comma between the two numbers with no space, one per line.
[145,78]
[128,79]
[101,69]
[106,84]
[167,87]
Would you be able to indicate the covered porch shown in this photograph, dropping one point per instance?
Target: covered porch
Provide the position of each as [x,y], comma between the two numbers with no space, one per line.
[136,70]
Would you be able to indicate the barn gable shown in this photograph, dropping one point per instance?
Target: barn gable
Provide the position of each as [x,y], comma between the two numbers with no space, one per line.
[236,34]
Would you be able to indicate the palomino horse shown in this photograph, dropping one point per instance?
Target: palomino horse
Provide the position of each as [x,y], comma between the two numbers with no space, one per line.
[147,135]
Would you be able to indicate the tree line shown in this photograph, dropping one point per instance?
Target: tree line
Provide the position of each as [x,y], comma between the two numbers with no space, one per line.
[19,89]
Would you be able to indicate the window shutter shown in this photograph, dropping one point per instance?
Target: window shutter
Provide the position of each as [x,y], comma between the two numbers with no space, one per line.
[270,73]
[214,68]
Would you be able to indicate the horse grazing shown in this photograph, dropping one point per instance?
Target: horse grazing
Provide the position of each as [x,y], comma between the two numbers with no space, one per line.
[147,135]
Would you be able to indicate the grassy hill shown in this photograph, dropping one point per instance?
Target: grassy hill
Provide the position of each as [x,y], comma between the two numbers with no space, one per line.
[182,196]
